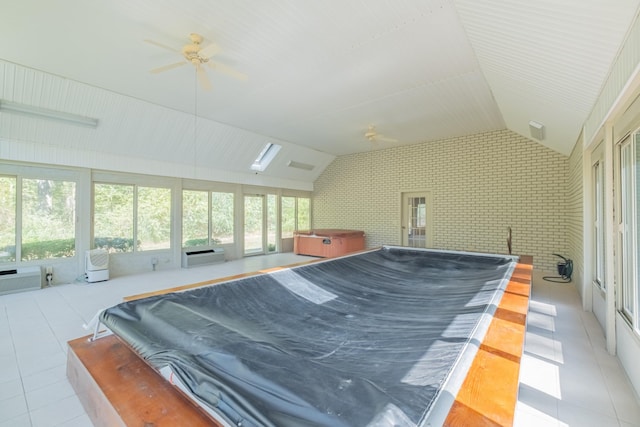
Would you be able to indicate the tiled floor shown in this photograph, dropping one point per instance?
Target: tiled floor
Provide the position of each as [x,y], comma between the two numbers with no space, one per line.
[567,378]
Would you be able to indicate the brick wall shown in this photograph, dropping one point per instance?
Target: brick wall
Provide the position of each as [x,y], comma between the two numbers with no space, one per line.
[479,185]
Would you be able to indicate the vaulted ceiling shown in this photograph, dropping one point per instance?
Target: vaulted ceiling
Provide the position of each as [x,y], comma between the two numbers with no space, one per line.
[318,74]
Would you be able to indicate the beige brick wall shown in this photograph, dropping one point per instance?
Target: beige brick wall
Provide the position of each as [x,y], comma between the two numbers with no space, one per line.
[479,184]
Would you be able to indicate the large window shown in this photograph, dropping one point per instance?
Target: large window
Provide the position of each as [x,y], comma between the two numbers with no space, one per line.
[37,218]
[222,217]
[195,218]
[48,219]
[154,218]
[598,231]
[128,218]
[296,215]
[272,223]
[304,213]
[207,218]
[629,239]
[7,219]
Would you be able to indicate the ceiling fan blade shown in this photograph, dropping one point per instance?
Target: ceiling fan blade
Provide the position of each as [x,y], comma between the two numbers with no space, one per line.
[202,77]
[163,46]
[227,70]
[209,51]
[168,67]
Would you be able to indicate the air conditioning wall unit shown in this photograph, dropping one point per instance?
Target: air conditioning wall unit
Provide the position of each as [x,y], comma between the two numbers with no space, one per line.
[20,279]
[97,265]
[193,257]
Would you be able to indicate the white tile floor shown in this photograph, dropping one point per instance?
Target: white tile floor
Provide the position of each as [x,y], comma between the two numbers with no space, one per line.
[567,378]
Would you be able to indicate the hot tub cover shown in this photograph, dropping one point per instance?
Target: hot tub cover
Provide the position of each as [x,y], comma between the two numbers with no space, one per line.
[364,340]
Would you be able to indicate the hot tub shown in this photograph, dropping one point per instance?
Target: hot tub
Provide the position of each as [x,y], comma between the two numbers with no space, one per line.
[327,242]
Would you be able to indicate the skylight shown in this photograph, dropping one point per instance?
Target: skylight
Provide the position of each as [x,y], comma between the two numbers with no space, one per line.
[265,157]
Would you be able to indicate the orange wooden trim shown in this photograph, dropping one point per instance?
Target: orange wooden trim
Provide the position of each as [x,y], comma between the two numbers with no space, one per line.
[489,392]
[117,388]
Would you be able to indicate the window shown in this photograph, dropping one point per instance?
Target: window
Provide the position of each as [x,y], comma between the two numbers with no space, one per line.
[48,219]
[272,223]
[154,218]
[304,214]
[130,218]
[207,223]
[222,217]
[195,218]
[37,215]
[113,217]
[7,219]
[288,216]
[296,215]
[628,229]
[598,224]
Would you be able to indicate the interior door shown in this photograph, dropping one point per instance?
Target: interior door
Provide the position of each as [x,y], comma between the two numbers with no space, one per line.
[416,220]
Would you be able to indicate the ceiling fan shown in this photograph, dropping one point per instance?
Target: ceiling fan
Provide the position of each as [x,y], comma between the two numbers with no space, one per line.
[197,55]
[374,136]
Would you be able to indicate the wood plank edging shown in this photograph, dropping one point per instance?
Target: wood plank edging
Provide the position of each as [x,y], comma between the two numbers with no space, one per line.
[489,393]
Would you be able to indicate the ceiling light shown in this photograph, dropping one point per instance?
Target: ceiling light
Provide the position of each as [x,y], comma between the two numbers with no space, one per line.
[44,113]
[299,165]
[537,130]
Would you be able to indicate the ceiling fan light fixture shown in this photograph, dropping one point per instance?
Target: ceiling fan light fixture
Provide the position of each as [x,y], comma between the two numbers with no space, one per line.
[195,54]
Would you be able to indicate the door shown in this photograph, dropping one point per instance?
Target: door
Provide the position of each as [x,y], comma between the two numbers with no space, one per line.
[416,220]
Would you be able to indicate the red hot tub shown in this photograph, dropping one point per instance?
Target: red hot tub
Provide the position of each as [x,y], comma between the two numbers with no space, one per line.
[327,242]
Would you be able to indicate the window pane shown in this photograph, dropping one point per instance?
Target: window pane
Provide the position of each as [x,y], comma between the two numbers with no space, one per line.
[48,219]
[272,222]
[195,218]
[7,219]
[636,281]
[627,198]
[154,218]
[113,217]
[304,214]
[253,224]
[288,216]
[222,218]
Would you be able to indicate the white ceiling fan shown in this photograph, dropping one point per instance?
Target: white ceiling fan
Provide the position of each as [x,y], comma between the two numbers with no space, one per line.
[197,55]
[375,137]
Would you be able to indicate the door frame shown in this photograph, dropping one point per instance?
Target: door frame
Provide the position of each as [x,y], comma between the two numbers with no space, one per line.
[428,213]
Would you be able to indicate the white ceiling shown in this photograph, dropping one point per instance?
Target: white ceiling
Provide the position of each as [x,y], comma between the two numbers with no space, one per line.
[318,73]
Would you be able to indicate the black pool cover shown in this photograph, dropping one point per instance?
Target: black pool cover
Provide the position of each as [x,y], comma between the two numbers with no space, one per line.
[365,340]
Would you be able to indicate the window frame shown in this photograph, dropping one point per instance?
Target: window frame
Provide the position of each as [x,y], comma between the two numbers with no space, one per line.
[136,181]
[210,232]
[627,298]
[21,172]
[296,214]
